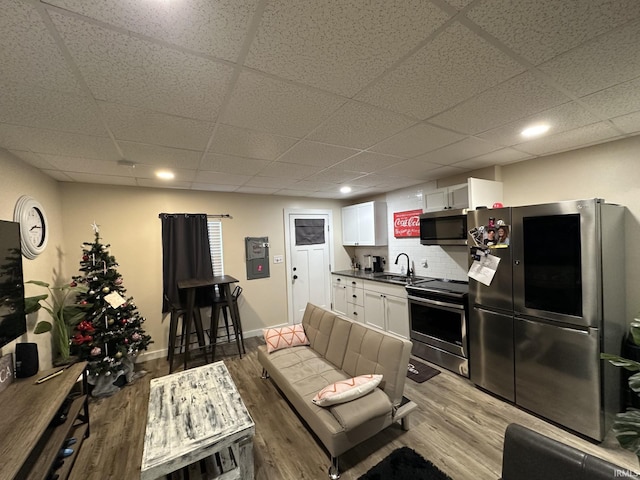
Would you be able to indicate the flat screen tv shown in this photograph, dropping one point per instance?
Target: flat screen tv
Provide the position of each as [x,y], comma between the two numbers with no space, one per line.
[13,321]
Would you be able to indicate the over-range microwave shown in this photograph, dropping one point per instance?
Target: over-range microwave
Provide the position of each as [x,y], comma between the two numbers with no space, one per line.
[446,227]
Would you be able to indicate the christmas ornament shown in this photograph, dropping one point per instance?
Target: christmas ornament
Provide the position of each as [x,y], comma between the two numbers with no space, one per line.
[118,355]
[106,290]
[111,321]
[135,337]
[95,351]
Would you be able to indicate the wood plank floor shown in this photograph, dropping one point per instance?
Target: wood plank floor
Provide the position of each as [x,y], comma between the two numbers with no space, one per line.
[457,427]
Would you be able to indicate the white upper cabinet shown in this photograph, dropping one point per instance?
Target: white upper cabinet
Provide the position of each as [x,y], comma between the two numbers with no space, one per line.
[365,224]
[476,192]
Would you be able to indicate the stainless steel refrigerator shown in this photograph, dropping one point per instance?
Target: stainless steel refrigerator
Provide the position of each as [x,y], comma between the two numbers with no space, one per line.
[555,303]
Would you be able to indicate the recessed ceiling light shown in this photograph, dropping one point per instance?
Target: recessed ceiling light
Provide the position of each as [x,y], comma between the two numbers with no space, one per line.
[165,175]
[535,130]
[345,190]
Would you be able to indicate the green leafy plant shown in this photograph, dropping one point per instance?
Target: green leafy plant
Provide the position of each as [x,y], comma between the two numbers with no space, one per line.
[626,425]
[64,316]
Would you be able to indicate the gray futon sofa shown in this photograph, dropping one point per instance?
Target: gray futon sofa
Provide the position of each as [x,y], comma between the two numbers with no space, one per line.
[340,349]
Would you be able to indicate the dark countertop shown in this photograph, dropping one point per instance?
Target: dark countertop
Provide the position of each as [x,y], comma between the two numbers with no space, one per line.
[383,277]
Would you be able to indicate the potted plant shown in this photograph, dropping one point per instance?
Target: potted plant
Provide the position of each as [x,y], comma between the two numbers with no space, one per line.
[64,316]
[626,425]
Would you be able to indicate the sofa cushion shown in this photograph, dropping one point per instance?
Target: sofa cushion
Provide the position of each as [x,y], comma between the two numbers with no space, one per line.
[354,413]
[327,332]
[346,390]
[285,337]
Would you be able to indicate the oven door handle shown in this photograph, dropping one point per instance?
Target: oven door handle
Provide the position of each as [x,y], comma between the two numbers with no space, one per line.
[438,303]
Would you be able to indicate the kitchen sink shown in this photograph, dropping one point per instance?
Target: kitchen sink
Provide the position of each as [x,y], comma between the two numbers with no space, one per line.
[395,278]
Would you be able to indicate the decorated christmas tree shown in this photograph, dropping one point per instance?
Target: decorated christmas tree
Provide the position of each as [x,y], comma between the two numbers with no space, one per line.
[111,333]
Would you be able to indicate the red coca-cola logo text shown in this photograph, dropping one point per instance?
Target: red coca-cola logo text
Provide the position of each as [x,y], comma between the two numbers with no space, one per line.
[406,224]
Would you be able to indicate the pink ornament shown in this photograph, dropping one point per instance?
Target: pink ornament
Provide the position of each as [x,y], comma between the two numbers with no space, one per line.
[135,337]
[95,351]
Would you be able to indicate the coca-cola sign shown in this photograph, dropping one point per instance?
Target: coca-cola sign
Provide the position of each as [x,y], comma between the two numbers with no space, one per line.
[406,224]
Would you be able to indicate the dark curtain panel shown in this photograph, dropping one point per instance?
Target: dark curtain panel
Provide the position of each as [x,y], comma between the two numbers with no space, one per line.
[185,254]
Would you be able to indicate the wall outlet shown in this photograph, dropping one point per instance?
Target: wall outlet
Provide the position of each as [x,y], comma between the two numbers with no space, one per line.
[278,259]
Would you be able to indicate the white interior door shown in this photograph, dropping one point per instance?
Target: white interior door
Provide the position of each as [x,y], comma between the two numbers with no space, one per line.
[308,261]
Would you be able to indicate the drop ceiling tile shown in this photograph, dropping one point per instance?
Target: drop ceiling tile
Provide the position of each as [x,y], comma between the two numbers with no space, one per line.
[386,182]
[247,143]
[34,159]
[154,183]
[339,45]
[230,164]
[519,97]
[270,182]
[446,171]
[316,154]
[360,126]
[102,179]
[72,165]
[562,118]
[30,55]
[617,100]
[314,186]
[213,28]
[462,150]
[120,68]
[368,162]
[257,190]
[503,156]
[289,170]
[589,135]
[409,168]
[158,156]
[57,143]
[629,123]
[263,103]
[601,63]
[416,140]
[542,29]
[221,178]
[334,175]
[458,59]
[293,193]
[459,4]
[212,187]
[29,106]
[146,126]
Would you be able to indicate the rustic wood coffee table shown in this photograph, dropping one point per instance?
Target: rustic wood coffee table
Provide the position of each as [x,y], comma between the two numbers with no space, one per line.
[193,415]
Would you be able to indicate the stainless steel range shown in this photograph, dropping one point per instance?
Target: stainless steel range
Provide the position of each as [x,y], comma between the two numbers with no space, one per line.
[438,313]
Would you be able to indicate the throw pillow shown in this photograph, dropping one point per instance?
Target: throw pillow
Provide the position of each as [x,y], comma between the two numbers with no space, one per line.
[285,337]
[347,390]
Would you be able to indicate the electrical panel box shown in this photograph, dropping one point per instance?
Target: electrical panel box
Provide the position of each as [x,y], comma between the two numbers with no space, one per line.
[257,253]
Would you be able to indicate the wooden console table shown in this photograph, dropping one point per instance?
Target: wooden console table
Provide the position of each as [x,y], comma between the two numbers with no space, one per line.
[195,414]
[30,444]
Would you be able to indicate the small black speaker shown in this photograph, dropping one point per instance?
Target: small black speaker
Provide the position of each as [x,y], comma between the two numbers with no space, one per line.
[26,359]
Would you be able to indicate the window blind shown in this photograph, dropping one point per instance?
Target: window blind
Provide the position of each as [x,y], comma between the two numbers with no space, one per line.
[214,228]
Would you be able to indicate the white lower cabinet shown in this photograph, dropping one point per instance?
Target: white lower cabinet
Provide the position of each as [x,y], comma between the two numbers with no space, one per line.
[386,307]
[348,297]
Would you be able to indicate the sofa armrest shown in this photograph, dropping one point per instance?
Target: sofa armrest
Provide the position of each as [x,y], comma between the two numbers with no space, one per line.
[356,412]
[528,455]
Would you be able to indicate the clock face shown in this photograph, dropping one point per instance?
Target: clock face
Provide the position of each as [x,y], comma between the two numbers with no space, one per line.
[36,226]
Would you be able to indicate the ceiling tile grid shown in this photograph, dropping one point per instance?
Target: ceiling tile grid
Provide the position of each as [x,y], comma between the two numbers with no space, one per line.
[300,98]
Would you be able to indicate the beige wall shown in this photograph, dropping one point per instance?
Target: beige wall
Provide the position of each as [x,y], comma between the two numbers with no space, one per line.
[17,179]
[128,219]
[610,171]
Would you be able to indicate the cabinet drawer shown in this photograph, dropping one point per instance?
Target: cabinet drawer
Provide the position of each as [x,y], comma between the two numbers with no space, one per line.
[355,312]
[348,281]
[385,288]
[355,295]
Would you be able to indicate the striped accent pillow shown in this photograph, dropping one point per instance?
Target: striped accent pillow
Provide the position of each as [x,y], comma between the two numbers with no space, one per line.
[346,390]
[285,337]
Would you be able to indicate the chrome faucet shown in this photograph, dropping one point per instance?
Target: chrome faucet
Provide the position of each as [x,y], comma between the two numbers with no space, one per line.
[409,271]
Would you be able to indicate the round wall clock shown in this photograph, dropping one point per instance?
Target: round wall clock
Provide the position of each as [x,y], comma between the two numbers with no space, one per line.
[34,229]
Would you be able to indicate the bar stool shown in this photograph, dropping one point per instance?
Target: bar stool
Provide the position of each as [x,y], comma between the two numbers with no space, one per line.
[178,315]
[221,304]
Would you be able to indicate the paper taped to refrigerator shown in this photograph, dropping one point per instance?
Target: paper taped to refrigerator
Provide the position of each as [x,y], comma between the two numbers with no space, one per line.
[484,270]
